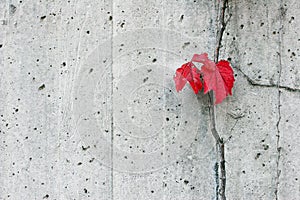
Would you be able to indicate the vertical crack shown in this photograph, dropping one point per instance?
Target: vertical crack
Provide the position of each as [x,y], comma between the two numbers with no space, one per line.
[216,169]
[220,170]
[278,148]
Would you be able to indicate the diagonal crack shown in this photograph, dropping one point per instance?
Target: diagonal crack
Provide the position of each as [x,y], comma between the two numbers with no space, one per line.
[255,83]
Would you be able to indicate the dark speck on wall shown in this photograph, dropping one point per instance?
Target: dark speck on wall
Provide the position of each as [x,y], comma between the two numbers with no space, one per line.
[42,87]
[85,148]
[181,18]
[257,156]
[145,79]
[12,9]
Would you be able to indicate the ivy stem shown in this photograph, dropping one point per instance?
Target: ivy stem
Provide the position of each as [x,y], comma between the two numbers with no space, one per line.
[212,110]
[220,150]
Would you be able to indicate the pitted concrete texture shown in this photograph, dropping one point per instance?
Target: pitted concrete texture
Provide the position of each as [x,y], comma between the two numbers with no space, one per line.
[89,109]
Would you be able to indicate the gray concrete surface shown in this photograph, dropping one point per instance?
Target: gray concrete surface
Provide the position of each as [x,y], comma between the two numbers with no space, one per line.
[89,108]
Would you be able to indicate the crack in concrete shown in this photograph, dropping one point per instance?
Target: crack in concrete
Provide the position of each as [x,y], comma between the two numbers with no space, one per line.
[254,83]
[221,179]
[216,169]
[278,148]
[230,133]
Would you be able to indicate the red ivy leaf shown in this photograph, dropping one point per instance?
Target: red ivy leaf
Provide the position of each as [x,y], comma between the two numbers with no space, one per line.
[203,58]
[227,75]
[188,72]
[217,77]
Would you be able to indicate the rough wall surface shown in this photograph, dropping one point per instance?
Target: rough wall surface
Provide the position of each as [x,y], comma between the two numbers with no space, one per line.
[89,109]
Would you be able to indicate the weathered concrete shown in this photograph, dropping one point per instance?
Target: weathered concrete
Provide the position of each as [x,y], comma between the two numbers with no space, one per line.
[89,109]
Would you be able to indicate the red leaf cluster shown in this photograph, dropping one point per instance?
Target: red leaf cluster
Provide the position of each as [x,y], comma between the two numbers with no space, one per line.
[217,77]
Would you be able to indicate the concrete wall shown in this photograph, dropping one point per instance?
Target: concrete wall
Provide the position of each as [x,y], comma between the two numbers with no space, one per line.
[89,109]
